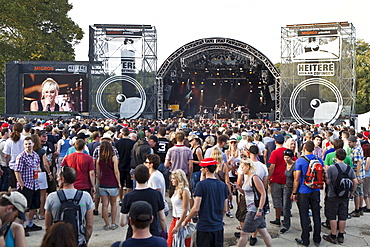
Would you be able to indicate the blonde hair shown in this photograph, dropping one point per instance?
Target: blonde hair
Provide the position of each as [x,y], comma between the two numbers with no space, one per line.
[287,145]
[182,181]
[49,83]
[217,155]
[209,141]
[248,162]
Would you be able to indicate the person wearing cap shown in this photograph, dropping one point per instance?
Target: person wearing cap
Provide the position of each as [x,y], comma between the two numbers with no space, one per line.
[179,157]
[277,177]
[84,166]
[359,162]
[66,180]
[13,205]
[26,169]
[12,148]
[287,203]
[335,206]
[196,149]
[140,218]
[210,193]
[143,192]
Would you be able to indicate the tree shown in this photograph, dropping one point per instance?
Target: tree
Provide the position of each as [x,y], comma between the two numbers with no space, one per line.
[36,30]
[362,77]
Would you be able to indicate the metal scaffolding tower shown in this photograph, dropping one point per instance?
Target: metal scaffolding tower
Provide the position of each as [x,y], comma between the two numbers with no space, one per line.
[110,46]
[320,55]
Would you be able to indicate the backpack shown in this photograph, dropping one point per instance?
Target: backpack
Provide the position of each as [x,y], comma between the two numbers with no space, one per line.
[314,177]
[257,196]
[343,184]
[70,211]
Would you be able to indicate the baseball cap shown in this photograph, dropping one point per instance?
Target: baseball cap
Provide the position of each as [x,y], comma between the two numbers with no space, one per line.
[366,134]
[208,162]
[279,138]
[253,149]
[352,138]
[232,139]
[18,201]
[5,125]
[140,211]
[289,153]
[192,137]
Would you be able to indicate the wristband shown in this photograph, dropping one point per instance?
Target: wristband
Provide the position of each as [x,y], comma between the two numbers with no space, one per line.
[260,210]
[294,193]
[49,174]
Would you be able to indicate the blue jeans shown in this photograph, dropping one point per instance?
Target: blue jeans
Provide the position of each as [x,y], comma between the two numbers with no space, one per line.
[166,174]
[304,202]
[195,178]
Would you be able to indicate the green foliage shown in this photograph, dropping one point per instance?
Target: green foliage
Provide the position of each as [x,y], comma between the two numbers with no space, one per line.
[363,77]
[36,30]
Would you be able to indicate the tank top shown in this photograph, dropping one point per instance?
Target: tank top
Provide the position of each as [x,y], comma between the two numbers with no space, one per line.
[249,196]
[64,148]
[196,167]
[177,204]
[9,238]
[40,108]
[108,178]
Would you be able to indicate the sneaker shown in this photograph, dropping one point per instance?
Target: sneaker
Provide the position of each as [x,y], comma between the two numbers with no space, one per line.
[329,239]
[95,212]
[300,242]
[33,228]
[231,205]
[361,212]
[284,230]
[326,225]
[113,227]
[366,210]
[26,233]
[120,203]
[41,217]
[355,214]
[106,228]
[340,239]
[237,234]
[229,214]
[276,222]
[252,241]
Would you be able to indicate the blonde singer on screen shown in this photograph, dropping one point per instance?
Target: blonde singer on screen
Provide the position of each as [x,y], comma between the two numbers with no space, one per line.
[49,92]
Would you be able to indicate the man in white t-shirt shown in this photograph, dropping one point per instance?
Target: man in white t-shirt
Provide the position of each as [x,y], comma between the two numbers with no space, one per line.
[156,179]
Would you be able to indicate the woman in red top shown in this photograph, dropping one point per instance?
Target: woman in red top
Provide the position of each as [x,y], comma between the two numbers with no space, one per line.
[109,177]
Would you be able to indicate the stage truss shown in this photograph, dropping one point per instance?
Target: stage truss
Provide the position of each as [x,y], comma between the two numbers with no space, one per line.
[319,60]
[196,49]
[107,45]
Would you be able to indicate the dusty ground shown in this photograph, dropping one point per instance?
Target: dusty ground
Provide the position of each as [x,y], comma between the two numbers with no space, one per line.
[358,233]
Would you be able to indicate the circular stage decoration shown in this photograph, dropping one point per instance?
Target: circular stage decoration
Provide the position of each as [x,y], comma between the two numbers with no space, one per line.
[324,107]
[120,95]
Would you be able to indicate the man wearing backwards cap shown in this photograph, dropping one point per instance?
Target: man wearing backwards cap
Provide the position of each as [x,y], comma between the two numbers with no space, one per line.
[210,202]
[140,217]
[13,205]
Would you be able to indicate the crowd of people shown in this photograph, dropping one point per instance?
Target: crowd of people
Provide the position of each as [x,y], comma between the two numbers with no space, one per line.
[195,171]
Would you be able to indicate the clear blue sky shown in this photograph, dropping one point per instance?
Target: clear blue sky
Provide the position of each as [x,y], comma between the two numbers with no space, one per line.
[255,22]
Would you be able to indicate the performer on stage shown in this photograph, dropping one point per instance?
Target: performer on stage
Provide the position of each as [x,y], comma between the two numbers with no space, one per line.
[49,92]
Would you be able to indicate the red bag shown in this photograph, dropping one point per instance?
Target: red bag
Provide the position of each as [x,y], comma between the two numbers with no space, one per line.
[314,178]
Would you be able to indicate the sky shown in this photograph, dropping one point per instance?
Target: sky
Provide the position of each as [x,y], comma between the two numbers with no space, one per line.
[255,22]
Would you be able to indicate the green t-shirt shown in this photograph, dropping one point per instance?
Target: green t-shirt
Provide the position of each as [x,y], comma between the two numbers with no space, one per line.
[331,160]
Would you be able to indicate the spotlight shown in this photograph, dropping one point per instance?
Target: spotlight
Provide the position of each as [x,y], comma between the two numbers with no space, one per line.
[183,82]
[202,82]
[238,83]
[251,91]
[201,91]
[192,83]
[214,84]
[195,73]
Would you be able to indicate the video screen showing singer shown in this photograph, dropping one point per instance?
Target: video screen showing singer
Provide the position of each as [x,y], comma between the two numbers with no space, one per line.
[49,93]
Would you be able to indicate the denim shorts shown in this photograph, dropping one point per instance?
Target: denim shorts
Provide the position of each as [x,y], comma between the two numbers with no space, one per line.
[108,191]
